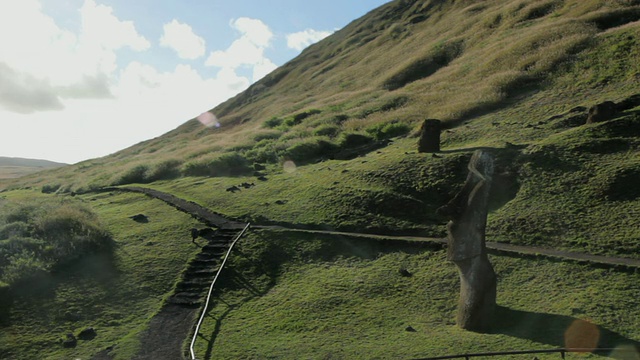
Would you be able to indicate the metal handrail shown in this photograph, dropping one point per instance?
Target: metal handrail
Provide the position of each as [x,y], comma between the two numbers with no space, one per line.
[562,352]
[206,304]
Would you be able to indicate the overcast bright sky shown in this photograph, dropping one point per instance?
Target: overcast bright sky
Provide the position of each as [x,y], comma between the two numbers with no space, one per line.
[81,79]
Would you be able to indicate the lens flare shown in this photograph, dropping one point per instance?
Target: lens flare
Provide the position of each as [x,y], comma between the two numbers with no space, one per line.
[625,352]
[289,166]
[208,119]
[582,334]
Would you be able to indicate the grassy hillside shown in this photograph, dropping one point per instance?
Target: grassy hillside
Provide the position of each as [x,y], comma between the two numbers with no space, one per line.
[328,141]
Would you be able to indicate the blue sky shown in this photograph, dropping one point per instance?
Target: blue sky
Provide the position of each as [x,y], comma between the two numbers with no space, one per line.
[81,79]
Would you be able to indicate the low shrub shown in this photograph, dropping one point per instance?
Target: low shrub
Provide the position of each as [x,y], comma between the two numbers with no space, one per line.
[228,164]
[273,122]
[349,140]
[164,170]
[135,174]
[267,135]
[49,189]
[388,130]
[57,233]
[298,118]
[310,149]
[327,130]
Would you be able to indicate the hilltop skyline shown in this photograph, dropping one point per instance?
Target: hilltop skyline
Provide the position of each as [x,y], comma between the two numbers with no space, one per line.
[86,78]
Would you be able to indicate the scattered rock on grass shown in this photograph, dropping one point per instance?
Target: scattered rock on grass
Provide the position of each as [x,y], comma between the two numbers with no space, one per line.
[70,341]
[140,218]
[87,334]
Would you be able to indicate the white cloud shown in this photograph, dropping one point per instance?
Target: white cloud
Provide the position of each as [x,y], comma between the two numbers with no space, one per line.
[63,64]
[302,39]
[63,96]
[101,27]
[246,51]
[181,38]
[146,103]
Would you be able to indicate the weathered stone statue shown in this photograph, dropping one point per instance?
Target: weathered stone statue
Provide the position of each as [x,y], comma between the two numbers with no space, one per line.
[430,136]
[467,213]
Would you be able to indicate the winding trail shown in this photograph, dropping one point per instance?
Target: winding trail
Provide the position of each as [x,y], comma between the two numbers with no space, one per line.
[217,220]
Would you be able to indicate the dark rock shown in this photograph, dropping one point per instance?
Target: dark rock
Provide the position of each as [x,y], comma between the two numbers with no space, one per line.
[70,341]
[410,329]
[429,140]
[602,112]
[247,185]
[194,234]
[262,178]
[87,334]
[281,202]
[233,189]
[405,273]
[140,218]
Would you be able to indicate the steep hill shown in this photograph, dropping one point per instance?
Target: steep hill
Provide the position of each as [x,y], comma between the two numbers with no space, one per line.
[329,141]
[514,77]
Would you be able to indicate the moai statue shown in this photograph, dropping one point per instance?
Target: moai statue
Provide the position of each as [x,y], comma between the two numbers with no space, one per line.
[429,141]
[467,213]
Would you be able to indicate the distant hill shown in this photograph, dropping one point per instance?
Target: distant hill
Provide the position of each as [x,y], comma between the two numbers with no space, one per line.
[11,167]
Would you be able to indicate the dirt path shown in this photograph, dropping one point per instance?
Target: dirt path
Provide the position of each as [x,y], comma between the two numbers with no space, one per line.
[218,220]
[494,247]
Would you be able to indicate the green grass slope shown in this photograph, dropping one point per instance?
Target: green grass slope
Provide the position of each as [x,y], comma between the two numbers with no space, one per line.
[289,297]
[328,141]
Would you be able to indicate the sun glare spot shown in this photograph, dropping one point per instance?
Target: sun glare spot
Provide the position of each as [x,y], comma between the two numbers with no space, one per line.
[289,166]
[208,119]
[625,352]
[582,334]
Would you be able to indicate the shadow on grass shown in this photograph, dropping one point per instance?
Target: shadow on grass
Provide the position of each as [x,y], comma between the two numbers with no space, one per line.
[238,281]
[97,269]
[563,332]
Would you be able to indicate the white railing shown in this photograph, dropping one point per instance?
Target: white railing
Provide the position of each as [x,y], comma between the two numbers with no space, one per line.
[206,304]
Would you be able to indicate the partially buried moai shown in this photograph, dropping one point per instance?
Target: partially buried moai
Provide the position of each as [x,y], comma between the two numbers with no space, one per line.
[429,141]
[467,214]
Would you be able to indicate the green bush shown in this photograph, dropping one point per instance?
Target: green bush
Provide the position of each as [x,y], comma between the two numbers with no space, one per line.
[273,122]
[71,231]
[327,130]
[48,189]
[266,151]
[228,164]
[267,135]
[298,118]
[135,174]
[311,149]
[349,140]
[22,267]
[164,170]
[14,229]
[388,130]
[57,233]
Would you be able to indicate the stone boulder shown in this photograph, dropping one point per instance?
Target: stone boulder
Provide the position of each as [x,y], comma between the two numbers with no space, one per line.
[429,140]
[602,112]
